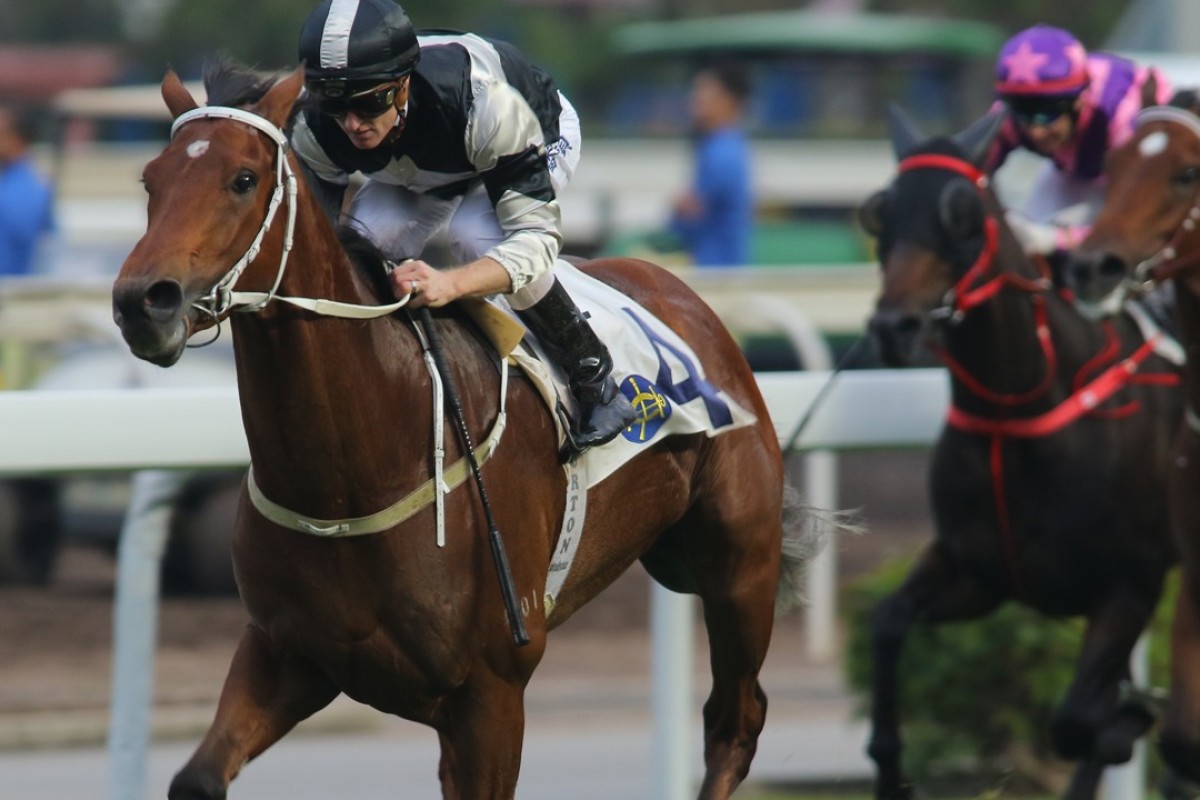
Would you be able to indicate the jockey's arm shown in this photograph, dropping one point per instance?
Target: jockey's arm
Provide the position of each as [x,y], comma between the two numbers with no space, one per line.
[436,287]
[506,144]
[1044,238]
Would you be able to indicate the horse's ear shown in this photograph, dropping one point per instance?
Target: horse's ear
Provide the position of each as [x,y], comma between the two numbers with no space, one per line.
[277,103]
[1150,90]
[977,139]
[904,133]
[178,99]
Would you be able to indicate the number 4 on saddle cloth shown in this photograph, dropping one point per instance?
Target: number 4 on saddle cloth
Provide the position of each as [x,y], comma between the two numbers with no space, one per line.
[658,371]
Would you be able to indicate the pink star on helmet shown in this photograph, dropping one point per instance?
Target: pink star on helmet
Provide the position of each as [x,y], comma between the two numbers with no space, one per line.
[1024,63]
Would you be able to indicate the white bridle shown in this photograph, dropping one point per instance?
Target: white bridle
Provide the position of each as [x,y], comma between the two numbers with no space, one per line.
[222,297]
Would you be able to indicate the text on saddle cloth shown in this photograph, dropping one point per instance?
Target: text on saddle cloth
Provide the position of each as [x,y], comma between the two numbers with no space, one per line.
[658,372]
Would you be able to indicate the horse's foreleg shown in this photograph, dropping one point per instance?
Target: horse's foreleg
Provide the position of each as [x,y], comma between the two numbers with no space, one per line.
[935,591]
[481,728]
[1089,722]
[1180,739]
[266,693]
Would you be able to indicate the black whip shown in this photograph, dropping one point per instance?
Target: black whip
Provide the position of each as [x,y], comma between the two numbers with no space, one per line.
[499,555]
[821,394]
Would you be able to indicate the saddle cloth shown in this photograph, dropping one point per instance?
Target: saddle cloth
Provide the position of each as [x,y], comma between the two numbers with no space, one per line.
[658,371]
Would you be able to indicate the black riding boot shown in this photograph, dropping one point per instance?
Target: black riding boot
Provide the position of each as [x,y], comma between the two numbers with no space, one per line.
[568,339]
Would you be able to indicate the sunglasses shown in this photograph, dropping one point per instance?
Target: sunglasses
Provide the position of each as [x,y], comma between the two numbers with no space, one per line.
[1035,116]
[364,105]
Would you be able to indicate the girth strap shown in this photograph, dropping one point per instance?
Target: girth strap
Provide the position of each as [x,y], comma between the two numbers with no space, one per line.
[389,517]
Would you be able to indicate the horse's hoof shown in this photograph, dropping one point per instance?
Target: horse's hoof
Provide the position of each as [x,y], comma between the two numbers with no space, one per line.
[1182,757]
[904,790]
[188,785]
[1174,786]
[1113,748]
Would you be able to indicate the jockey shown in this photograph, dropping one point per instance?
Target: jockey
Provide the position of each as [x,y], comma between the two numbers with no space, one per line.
[1071,108]
[457,133]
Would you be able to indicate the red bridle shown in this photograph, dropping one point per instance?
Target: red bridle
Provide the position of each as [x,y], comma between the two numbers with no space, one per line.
[974,289]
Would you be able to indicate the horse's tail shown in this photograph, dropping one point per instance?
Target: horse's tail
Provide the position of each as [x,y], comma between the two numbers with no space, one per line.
[806,530]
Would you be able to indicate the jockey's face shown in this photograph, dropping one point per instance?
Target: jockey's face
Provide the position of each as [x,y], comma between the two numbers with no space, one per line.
[1049,129]
[369,117]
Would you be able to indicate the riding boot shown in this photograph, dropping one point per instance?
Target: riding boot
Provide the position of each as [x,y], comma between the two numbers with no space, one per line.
[569,340]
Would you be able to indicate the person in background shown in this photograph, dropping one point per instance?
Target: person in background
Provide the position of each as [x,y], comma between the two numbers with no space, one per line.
[26,201]
[458,133]
[1071,108]
[714,218]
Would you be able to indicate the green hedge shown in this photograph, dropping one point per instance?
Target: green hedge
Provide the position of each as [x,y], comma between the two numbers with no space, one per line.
[972,694]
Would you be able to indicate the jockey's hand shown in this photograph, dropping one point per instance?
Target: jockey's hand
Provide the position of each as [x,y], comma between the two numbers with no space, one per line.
[429,286]
[1036,238]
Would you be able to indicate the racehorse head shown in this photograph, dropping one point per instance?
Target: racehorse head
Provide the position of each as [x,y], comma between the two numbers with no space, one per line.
[935,225]
[212,195]
[1146,231]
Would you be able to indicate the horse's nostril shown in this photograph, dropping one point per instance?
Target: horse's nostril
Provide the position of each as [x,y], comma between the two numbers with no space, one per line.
[161,301]
[908,325]
[1112,267]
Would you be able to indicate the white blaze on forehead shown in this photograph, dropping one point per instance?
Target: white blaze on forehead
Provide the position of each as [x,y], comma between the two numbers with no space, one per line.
[1153,144]
[197,148]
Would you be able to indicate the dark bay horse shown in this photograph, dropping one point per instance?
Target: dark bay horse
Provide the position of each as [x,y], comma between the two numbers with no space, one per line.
[1047,480]
[339,417]
[1146,233]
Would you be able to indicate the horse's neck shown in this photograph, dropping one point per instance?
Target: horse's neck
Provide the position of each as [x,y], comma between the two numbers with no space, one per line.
[318,394]
[998,344]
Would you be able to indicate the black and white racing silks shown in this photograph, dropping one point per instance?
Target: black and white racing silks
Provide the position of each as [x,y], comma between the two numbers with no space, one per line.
[477,111]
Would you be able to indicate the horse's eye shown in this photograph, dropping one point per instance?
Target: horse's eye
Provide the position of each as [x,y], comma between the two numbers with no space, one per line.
[961,210]
[245,181]
[1187,177]
[872,213]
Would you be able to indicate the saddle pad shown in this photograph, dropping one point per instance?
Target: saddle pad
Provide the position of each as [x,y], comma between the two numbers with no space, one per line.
[659,373]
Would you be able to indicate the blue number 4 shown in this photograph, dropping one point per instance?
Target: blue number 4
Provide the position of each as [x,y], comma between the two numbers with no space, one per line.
[694,386]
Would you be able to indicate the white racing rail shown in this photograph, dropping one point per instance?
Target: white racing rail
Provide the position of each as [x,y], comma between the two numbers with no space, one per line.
[162,430]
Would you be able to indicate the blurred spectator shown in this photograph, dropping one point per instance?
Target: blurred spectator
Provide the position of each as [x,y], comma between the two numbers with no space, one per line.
[715,217]
[26,211]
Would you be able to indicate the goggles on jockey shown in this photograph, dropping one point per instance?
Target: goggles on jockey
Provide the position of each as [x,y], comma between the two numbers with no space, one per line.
[1030,112]
[369,104]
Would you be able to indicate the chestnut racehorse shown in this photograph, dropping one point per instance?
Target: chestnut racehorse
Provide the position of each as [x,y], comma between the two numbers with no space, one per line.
[1047,480]
[1146,235]
[338,415]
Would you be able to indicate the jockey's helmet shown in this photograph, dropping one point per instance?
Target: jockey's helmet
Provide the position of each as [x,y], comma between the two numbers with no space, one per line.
[1041,62]
[348,46]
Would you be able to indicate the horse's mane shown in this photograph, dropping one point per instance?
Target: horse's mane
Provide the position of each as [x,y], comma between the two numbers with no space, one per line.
[367,259]
[230,83]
